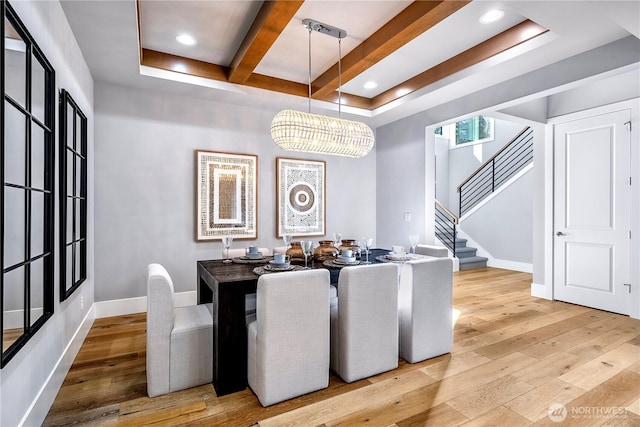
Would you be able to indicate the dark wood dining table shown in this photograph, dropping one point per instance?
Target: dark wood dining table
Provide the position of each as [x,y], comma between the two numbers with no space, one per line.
[226,285]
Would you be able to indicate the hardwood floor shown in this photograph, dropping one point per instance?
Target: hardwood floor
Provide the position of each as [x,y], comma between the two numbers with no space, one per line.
[514,357]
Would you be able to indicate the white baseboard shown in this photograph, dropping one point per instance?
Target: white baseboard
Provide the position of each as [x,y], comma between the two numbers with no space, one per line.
[40,406]
[541,291]
[120,307]
[510,265]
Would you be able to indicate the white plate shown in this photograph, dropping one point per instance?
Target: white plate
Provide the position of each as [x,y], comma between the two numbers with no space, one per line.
[341,262]
[397,257]
[346,260]
[279,267]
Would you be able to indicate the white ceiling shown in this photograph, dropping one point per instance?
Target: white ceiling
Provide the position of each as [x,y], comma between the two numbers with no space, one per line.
[108,36]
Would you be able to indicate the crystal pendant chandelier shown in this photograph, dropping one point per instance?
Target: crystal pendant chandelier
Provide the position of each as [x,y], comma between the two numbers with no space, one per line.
[312,133]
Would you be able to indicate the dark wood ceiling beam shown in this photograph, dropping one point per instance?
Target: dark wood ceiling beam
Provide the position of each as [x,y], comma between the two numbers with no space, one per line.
[515,35]
[271,20]
[179,64]
[414,20]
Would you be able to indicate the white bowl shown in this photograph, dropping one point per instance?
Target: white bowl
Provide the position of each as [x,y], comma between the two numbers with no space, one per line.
[347,259]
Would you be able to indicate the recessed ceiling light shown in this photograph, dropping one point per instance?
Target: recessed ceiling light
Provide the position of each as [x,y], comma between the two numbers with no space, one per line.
[492,16]
[179,67]
[370,85]
[186,39]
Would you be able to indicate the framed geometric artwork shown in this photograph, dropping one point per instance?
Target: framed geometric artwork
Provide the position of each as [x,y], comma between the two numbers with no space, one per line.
[300,195]
[227,194]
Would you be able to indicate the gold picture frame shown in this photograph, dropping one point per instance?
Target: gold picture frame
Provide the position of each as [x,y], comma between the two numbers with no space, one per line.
[300,197]
[226,195]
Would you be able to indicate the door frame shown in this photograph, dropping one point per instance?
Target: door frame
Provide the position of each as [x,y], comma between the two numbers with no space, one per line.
[634,106]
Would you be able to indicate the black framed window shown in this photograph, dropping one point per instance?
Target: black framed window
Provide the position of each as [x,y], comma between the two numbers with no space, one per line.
[73,195]
[26,200]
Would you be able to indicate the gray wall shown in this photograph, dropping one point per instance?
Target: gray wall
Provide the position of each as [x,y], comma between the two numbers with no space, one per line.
[145,184]
[504,226]
[26,380]
[618,87]
[405,177]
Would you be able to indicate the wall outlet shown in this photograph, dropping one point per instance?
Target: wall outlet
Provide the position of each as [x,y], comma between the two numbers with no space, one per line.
[82,303]
[407,216]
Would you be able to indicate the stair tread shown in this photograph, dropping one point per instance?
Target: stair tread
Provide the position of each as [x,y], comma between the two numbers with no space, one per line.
[470,259]
[466,249]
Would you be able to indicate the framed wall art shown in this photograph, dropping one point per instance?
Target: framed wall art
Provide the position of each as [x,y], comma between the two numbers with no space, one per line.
[227,194]
[300,194]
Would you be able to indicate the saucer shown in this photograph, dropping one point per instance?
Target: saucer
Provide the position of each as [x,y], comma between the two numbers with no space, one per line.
[279,264]
[257,255]
[271,269]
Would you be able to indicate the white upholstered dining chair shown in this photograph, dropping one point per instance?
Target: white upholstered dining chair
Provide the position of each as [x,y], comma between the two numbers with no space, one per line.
[432,250]
[425,300]
[364,322]
[288,336]
[280,250]
[179,339]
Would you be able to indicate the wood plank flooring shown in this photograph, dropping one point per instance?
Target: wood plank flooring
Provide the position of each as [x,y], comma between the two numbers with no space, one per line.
[514,357]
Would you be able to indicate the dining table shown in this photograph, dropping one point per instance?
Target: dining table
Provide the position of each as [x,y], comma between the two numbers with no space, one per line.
[225,286]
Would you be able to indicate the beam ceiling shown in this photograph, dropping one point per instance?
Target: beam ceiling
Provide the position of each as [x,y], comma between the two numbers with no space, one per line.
[410,23]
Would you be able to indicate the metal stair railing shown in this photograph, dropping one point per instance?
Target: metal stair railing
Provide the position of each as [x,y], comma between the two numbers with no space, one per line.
[445,226]
[515,155]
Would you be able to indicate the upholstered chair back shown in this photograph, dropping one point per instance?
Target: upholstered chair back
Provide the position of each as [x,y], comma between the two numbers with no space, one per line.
[289,339]
[364,322]
[425,306]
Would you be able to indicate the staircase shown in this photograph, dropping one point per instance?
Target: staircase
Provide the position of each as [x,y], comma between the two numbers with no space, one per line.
[446,231]
[510,159]
[467,256]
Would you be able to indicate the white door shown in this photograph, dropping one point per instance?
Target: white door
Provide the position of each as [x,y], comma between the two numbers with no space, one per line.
[592,191]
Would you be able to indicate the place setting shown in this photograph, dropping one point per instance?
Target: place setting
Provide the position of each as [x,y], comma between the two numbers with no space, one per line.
[397,254]
[252,256]
[346,258]
[279,263]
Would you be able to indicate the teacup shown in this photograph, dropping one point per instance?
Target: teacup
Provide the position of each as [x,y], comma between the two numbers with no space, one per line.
[346,253]
[253,250]
[398,250]
[281,258]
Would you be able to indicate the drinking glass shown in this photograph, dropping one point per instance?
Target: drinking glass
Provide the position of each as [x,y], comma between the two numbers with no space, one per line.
[226,242]
[413,240]
[307,247]
[367,242]
[286,238]
[337,238]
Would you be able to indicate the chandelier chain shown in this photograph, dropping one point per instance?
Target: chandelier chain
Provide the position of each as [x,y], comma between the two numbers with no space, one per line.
[339,77]
[309,70]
